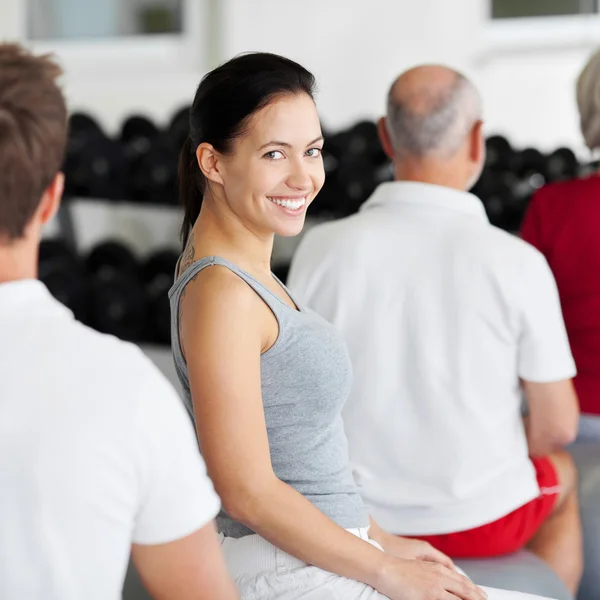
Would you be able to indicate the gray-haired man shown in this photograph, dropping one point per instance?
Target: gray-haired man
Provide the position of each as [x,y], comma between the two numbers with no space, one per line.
[448,320]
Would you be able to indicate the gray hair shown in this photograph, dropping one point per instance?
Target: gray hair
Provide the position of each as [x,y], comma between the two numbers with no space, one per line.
[441,128]
[588,101]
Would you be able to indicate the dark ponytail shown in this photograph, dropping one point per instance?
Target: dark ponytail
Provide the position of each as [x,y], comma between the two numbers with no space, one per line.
[224,102]
[191,187]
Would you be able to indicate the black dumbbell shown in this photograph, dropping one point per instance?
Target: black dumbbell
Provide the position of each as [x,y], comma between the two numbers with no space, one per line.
[325,205]
[83,131]
[61,270]
[153,177]
[562,164]
[158,273]
[527,163]
[54,255]
[357,181]
[521,191]
[529,169]
[589,168]
[179,128]
[497,196]
[94,166]
[336,146]
[110,258]
[138,134]
[506,201]
[118,304]
[528,173]
[499,153]
[82,128]
[363,144]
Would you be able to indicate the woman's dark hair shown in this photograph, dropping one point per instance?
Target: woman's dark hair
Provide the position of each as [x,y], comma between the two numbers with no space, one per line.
[225,100]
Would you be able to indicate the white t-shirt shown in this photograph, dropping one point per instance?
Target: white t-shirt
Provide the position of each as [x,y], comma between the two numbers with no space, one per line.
[96,452]
[442,314]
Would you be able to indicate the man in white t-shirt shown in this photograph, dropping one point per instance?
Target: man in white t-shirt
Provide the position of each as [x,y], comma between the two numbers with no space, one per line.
[448,321]
[97,454]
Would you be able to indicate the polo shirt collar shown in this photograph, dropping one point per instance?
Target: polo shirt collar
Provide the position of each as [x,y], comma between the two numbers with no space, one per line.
[415,193]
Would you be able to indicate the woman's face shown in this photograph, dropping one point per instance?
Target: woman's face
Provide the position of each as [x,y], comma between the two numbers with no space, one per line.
[275,169]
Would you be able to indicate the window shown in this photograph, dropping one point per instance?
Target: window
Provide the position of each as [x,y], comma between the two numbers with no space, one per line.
[120,38]
[73,19]
[510,9]
[515,26]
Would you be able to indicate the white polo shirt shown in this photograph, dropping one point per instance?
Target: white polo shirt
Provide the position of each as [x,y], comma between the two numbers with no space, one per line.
[442,314]
[96,452]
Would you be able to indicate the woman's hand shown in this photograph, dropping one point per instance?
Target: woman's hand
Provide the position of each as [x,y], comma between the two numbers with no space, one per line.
[415,549]
[401,579]
[408,548]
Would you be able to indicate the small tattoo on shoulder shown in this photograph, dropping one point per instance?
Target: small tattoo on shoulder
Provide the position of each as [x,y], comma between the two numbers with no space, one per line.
[187,258]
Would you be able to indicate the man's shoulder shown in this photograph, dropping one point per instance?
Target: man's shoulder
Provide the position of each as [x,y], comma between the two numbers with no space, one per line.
[106,354]
[503,245]
[124,376]
[96,342]
[333,226]
[327,234]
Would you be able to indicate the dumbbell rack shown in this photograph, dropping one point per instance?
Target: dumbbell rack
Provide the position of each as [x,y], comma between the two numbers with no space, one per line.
[83,222]
[145,227]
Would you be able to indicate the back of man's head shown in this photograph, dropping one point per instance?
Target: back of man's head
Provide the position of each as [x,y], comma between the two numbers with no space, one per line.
[33,135]
[431,113]
[588,101]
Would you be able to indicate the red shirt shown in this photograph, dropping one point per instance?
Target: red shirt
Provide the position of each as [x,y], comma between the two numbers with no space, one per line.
[563,222]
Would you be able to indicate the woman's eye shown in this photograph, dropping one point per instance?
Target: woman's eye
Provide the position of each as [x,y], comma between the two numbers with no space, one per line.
[274,155]
[313,152]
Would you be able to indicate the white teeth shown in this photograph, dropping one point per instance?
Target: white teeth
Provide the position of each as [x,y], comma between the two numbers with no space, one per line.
[289,204]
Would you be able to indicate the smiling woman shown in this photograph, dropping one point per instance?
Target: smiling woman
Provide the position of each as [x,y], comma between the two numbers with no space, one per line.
[264,379]
[249,151]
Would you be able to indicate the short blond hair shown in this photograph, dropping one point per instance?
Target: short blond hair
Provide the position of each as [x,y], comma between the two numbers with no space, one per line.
[588,101]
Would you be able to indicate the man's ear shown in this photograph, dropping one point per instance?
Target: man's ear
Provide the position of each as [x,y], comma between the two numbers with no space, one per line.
[50,202]
[384,137]
[477,143]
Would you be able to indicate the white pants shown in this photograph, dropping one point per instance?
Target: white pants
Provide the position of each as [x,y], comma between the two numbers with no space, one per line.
[262,571]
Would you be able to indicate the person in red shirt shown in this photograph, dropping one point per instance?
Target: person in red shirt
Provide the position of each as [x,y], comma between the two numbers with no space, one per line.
[563,222]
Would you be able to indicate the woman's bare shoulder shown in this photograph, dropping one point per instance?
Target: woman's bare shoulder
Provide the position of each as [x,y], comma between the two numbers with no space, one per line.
[217,283]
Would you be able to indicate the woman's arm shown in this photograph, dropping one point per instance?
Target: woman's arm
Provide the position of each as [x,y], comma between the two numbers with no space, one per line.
[225,327]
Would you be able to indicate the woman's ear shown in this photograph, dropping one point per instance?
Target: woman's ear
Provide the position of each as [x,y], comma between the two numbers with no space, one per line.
[209,162]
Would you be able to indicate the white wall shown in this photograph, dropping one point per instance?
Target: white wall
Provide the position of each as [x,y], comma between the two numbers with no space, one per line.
[531,96]
[111,78]
[355,48]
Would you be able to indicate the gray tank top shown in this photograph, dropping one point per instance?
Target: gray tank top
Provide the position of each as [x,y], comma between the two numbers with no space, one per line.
[305,380]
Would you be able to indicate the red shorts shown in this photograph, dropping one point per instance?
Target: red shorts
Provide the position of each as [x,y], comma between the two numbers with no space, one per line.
[511,532]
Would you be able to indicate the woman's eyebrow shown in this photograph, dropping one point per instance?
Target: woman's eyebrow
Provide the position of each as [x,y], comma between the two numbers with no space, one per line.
[319,139]
[275,143]
[286,145]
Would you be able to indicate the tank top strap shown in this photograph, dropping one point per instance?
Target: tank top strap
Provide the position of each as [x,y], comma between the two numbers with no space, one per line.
[270,299]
